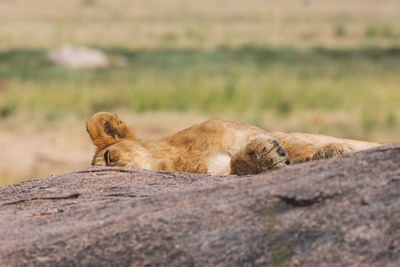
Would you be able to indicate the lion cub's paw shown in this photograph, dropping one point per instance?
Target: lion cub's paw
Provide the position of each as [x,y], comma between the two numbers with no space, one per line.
[268,154]
[260,154]
[332,150]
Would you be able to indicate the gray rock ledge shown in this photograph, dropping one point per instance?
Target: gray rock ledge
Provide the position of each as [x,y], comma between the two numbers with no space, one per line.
[338,212]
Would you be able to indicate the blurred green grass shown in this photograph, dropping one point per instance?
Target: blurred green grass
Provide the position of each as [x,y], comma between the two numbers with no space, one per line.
[362,82]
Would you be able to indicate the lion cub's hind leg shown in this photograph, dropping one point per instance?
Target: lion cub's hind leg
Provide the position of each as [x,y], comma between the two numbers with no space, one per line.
[331,150]
[307,147]
[260,154]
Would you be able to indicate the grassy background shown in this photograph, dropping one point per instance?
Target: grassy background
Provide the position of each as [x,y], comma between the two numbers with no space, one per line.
[328,67]
[206,24]
[250,83]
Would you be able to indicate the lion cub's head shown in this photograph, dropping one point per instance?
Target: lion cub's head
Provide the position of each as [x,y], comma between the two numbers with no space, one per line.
[115,143]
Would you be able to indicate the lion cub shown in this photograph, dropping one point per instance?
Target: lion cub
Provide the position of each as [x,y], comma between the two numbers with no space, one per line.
[213,147]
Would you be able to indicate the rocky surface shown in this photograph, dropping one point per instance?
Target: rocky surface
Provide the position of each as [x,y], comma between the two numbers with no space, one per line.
[77,57]
[338,212]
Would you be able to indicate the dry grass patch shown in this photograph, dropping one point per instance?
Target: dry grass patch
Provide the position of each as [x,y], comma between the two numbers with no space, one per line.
[198,24]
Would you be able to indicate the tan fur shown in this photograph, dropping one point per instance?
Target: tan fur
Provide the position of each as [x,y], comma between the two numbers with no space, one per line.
[213,147]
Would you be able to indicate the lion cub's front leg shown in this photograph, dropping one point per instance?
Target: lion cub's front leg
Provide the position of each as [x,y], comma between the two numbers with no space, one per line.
[260,154]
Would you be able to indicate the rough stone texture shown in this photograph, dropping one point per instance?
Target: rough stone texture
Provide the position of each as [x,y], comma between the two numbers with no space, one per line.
[339,212]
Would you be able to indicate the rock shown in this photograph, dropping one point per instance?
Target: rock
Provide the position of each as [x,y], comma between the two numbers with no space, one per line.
[339,212]
[77,57]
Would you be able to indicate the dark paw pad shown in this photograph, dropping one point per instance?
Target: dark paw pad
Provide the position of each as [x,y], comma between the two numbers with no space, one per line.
[281,152]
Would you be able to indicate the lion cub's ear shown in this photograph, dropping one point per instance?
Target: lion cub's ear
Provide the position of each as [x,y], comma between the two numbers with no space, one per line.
[106,129]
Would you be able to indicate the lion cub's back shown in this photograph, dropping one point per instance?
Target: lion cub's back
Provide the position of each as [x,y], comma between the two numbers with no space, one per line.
[213,143]
[217,136]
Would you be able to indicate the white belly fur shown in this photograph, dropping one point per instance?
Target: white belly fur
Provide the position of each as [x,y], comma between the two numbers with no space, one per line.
[219,164]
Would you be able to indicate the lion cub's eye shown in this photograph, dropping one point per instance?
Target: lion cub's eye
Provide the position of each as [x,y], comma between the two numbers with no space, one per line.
[107,157]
